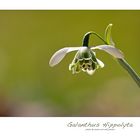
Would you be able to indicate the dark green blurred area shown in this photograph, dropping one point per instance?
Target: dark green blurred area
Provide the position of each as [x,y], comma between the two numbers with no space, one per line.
[29,87]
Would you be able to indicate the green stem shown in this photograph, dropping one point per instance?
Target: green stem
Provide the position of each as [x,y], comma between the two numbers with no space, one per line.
[130,70]
[87,35]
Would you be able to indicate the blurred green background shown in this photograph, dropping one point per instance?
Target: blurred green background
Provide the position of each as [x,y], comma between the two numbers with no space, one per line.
[29,87]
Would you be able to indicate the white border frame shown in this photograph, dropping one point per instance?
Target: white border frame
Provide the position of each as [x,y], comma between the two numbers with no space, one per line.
[69,4]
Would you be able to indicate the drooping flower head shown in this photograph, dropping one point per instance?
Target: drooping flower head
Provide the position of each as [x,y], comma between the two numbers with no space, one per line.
[85,59]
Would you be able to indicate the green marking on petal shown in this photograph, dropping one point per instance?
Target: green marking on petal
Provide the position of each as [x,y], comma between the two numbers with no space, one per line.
[83,53]
[94,65]
[93,54]
[85,60]
[75,67]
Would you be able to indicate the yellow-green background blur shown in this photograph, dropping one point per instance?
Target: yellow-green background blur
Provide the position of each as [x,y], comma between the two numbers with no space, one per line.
[29,87]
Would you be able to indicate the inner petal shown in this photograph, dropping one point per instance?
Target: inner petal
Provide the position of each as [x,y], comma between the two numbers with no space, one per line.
[90,72]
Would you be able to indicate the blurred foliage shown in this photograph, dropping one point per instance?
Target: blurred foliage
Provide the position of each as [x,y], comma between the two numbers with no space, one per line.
[29,87]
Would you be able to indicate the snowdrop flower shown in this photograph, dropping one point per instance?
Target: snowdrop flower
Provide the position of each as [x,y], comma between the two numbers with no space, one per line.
[85,59]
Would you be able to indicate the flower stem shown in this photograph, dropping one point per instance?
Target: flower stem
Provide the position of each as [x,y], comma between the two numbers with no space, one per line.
[130,70]
[87,35]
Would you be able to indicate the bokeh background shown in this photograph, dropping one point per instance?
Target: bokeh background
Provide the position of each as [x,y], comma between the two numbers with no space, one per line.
[29,87]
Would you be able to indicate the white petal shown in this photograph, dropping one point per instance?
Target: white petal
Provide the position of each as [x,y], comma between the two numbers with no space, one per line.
[60,54]
[90,72]
[111,50]
[70,49]
[100,63]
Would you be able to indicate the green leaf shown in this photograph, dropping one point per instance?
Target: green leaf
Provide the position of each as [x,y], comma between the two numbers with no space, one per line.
[108,37]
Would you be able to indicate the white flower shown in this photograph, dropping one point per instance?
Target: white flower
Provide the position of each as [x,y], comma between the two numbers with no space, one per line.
[85,59]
